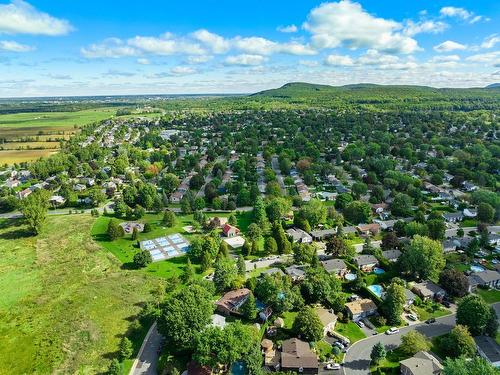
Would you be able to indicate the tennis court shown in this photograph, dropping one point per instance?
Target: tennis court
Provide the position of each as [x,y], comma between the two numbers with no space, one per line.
[166,247]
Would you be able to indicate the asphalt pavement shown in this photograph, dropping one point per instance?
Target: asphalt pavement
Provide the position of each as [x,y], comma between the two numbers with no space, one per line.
[147,361]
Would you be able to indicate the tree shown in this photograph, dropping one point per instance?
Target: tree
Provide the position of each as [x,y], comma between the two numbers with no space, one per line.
[464,366]
[142,258]
[414,342]
[224,249]
[337,247]
[378,353]
[135,234]
[188,274]
[225,274]
[314,212]
[115,367]
[454,282]
[169,182]
[259,214]
[422,259]
[401,205]
[303,253]
[343,200]
[394,301]
[485,213]
[277,208]
[270,246]
[34,209]
[321,287]
[249,308]
[253,232]
[114,230]
[436,229]
[474,313]
[308,325]
[458,343]
[358,212]
[390,241]
[184,314]
[359,189]
[284,246]
[241,266]
[169,219]
[125,349]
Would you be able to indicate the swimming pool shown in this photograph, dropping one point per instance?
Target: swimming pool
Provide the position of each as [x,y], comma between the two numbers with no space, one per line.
[238,368]
[378,271]
[376,289]
[351,276]
[476,268]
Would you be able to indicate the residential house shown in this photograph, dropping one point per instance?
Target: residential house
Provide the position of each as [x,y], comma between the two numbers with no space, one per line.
[469,186]
[494,239]
[271,355]
[299,235]
[409,298]
[297,273]
[79,187]
[230,231]
[470,212]
[297,356]
[328,319]
[366,262]
[218,222]
[57,200]
[12,183]
[488,348]
[391,255]
[335,266]
[427,290]
[486,278]
[361,308]
[272,271]
[368,229]
[24,193]
[319,235]
[453,217]
[231,302]
[421,363]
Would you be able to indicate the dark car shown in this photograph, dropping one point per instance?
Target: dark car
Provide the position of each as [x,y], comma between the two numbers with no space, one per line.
[446,304]
[431,320]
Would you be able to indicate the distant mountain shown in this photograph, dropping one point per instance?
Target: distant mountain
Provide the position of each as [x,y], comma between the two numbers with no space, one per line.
[493,86]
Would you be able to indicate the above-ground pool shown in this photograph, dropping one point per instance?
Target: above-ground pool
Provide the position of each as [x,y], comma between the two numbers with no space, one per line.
[378,271]
[351,276]
[238,368]
[476,268]
[376,289]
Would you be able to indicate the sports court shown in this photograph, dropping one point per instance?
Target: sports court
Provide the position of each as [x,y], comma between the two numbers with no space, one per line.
[162,248]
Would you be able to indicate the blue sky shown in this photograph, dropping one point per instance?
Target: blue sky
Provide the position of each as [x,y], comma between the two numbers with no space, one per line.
[159,47]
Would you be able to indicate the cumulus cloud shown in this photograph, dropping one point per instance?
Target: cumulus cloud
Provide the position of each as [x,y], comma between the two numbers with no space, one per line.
[460,13]
[263,46]
[373,59]
[11,46]
[309,63]
[245,60]
[182,70]
[164,45]
[111,47]
[445,58]
[427,26]
[448,46]
[19,17]
[287,29]
[490,57]
[143,61]
[339,60]
[490,41]
[346,23]
[198,59]
[216,43]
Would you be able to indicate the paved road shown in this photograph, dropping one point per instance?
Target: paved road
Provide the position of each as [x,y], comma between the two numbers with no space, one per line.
[147,362]
[276,168]
[357,358]
[453,231]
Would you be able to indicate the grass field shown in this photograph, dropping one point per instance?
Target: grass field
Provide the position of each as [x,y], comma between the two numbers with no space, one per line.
[489,295]
[65,303]
[19,156]
[350,330]
[29,145]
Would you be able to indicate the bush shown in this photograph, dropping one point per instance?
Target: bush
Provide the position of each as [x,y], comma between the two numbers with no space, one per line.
[142,259]
[147,228]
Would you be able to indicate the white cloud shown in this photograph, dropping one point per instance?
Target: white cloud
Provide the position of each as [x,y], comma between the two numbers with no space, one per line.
[111,47]
[449,45]
[490,41]
[19,17]
[287,29]
[245,60]
[490,57]
[460,13]
[11,46]
[445,58]
[182,70]
[309,63]
[198,59]
[165,45]
[143,61]
[347,23]
[339,60]
[432,27]
[263,46]
[216,43]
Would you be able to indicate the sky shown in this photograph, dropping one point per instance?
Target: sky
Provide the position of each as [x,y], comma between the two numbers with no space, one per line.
[67,47]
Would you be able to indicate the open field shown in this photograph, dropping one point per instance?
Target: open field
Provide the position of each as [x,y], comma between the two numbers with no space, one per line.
[19,156]
[29,145]
[65,303]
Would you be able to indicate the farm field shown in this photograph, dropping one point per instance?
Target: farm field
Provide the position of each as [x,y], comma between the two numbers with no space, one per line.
[52,145]
[20,156]
[65,302]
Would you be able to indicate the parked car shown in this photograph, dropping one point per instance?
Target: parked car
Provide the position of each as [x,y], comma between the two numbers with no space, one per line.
[412,317]
[446,304]
[360,324]
[332,366]
[392,331]
[339,345]
[430,320]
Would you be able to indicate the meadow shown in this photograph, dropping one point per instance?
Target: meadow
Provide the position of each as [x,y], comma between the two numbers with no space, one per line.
[65,303]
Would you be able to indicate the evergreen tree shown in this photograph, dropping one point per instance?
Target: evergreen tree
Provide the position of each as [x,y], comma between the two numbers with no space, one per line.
[114,230]
[125,349]
[378,353]
[241,266]
[249,308]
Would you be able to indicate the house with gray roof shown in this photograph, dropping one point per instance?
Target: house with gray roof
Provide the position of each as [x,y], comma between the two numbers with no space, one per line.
[488,349]
[366,262]
[297,273]
[421,363]
[391,255]
[487,278]
[299,235]
[335,266]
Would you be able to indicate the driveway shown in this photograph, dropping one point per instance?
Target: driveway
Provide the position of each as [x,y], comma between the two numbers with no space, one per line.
[147,361]
[357,358]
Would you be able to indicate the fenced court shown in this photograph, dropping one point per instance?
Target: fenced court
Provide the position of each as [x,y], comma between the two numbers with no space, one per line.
[162,248]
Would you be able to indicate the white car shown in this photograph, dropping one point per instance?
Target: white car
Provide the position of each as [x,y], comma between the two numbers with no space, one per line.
[360,324]
[332,366]
[412,317]
[392,331]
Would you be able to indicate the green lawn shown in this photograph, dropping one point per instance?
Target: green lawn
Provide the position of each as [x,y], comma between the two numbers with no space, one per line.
[425,313]
[289,318]
[489,295]
[65,303]
[466,223]
[350,330]
[389,365]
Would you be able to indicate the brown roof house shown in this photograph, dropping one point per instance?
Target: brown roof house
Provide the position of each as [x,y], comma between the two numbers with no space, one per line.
[231,302]
[298,357]
[368,229]
[428,290]
[361,308]
[328,318]
[422,363]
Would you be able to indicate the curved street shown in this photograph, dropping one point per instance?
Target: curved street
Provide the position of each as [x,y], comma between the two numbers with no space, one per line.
[357,358]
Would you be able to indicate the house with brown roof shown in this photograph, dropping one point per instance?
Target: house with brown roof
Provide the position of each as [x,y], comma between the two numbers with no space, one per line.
[368,229]
[428,290]
[361,308]
[230,231]
[420,364]
[297,356]
[328,318]
[231,302]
